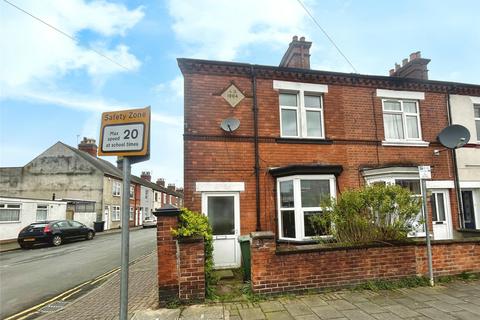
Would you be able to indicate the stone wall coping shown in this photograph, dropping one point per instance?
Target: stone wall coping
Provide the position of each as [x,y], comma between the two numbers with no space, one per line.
[191,239]
[167,212]
[262,235]
[308,248]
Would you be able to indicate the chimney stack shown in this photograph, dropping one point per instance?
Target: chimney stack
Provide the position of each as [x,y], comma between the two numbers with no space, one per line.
[89,146]
[146,175]
[161,182]
[297,54]
[171,187]
[415,68]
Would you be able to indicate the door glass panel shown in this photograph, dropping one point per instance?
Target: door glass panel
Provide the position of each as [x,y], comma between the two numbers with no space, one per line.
[467,200]
[221,215]
[440,207]
[286,194]
[288,223]
[434,207]
[314,191]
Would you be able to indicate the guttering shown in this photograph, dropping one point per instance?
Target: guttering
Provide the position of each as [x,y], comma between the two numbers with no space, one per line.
[255,142]
[456,179]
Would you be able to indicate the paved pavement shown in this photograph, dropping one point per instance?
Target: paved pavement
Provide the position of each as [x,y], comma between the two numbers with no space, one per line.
[29,277]
[456,300]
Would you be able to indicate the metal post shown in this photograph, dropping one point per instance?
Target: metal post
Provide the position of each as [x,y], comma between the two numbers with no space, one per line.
[427,233]
[125,239]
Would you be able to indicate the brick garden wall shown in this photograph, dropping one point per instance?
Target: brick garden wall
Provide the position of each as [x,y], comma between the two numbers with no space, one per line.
[276,269]
[191,278]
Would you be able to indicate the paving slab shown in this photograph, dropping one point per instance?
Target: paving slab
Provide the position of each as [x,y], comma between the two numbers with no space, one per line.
[435,314]
[327,312]
[298,308]
[313,301]
[202,312]
[279,315]
[341,304]
[164,314]
[443,306]
[465,315]
[386,316]
[357,315]
[369,307]
[271,306]
[307,317]
[251,314]
[402,311]
[470,307]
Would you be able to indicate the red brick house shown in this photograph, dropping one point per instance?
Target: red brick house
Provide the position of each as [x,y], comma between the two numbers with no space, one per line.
[304,134]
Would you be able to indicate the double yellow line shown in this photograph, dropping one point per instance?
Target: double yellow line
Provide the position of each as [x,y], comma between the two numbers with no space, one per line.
[70,292]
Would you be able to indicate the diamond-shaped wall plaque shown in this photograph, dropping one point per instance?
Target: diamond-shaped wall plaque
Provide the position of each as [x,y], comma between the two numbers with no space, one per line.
[233,95]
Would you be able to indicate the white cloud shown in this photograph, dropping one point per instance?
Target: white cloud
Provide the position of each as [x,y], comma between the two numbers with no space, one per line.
[86,103]
[217,29]
[32,52]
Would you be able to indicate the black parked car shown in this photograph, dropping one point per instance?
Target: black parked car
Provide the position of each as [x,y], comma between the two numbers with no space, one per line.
[53,232]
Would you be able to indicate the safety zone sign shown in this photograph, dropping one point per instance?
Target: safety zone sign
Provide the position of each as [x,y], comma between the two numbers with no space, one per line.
[125,133]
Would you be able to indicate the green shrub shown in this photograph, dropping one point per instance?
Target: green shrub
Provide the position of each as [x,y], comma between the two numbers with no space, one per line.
[372,213]
[194,224]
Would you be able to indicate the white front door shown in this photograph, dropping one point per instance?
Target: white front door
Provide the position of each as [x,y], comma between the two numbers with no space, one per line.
[107,217]
[441,216]
[223,212]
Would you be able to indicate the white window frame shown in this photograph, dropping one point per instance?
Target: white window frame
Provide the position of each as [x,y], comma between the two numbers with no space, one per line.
[5,206]
[115,213]
[301,89]
[297,207]
[404,119]
[475,106]
[116,188]
[42,207]
[131,214]
[132,191]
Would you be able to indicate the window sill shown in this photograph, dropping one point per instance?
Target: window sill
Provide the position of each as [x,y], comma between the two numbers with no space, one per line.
[116,195]
[405,143]
[303,140]
[5,222]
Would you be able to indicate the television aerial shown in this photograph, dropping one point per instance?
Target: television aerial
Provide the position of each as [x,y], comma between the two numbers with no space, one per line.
[454,136]
[230,124]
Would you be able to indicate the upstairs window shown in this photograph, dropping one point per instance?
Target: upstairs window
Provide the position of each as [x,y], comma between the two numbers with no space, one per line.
[301,115]
[401,119]
[116,186]
[132,192]
[301,109]
[476,109]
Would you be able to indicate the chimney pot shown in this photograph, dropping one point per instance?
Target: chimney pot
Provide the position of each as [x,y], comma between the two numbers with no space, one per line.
[392,71]
[146,175]
[397,66]
[297,54]
[89,146]
[161,182]
[404,62]
[415,68]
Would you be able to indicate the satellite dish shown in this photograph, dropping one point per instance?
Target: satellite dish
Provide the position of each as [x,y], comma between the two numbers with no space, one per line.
[454,136]
[230,124]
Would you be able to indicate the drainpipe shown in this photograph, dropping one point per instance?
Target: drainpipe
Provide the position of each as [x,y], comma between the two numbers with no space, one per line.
[255,141]
[456,179]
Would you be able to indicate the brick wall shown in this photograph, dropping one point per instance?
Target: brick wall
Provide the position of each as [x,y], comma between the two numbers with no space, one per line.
[181,262]
[276,270]
[192,270]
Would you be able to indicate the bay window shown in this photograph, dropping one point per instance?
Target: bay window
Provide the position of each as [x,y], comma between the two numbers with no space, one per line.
[299,197]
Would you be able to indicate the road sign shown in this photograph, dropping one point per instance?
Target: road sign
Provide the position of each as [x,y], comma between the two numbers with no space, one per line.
[125,133]
[425,172]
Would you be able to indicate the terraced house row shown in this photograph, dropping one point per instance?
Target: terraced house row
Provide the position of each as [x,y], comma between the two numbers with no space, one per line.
[263,144]
[90,187]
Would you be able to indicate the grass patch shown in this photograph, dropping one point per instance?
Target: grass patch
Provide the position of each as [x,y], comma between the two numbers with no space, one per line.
[377,285]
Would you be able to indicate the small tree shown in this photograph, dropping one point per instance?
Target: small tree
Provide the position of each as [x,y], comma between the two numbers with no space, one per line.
[372,213]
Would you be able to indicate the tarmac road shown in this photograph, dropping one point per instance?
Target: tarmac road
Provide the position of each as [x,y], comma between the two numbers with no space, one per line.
[28,277]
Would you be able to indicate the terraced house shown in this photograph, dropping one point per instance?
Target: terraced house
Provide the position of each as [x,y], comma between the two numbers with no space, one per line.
[304,134]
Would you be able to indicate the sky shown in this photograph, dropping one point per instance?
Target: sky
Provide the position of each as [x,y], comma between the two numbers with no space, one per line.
[54,88]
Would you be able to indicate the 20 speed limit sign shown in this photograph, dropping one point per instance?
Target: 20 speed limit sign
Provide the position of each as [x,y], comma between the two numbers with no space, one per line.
[125,133]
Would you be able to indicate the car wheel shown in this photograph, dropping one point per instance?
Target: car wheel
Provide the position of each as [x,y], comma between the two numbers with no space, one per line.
[25,246]
[89,235]
[57,240]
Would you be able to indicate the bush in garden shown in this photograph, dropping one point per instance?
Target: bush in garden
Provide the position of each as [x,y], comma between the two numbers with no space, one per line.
[194,224]
[373,213]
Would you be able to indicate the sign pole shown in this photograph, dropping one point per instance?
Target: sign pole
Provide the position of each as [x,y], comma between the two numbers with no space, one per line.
[427,233]
[125,240]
